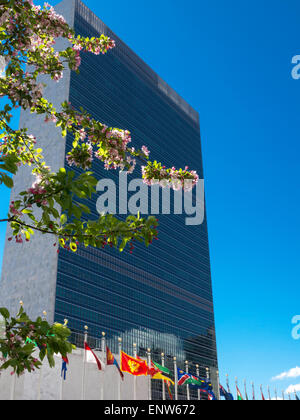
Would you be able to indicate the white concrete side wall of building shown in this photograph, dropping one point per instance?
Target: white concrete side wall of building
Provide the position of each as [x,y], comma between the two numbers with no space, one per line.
[46,384]
[29,270]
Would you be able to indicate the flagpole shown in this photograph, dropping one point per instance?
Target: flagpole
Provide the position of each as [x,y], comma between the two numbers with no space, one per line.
[276,394]
[39,384]
[62,376]
[261,391]
[163,382]
[188,397]
[269,393]
[176,379]
[134,378]
[120,358]
[149,376]
[207,374]
[61,387]
[198,376]
[245,387]
[253,391]
[218,386]
[40,372]
[227,383]
[84,362]
[290,396]
[13,386]
[103,346]
[103,358]
[283,396]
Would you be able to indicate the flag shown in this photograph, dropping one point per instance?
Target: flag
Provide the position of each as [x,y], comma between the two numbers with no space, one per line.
[169,390]
[239,395]
[225,394]
[133,366]
[156,373]
[185,378]
[210,395]
[262,395]
[64,368]
[159,375]
[253,393]
[91,357]
[110,361]
[297,398]
[162,369]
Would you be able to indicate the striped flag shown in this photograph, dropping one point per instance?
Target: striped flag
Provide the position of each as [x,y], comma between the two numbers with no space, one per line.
[227,395]
[239,394]
[169,390]
[156,373]
[183,377]
[91,357]
[161,368]
[210,395]
[111,360]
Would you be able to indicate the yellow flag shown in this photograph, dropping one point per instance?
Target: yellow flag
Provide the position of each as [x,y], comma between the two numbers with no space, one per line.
[158,375]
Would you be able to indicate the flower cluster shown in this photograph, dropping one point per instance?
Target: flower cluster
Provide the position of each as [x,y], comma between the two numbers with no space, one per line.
[112,148]
[155,173]
[24,91]
[145,151]
[38,191]
[81,156]
[13,209]
[96,46]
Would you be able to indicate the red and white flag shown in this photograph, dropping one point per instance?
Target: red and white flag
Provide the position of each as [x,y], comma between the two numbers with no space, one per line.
[91,357]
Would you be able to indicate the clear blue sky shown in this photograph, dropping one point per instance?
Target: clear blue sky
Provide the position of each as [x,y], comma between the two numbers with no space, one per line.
[231,60]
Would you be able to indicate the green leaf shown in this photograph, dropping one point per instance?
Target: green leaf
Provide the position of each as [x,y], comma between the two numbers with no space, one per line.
[8,182]
[4,312]
[63,219]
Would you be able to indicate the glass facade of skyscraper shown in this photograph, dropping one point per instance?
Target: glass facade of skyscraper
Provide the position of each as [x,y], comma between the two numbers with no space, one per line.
[158,297]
